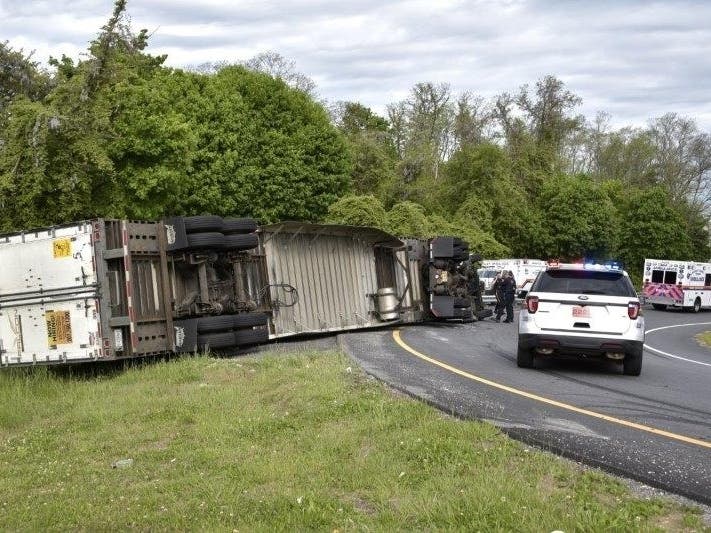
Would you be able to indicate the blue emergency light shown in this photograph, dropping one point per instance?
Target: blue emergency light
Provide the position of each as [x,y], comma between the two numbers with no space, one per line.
[607,265]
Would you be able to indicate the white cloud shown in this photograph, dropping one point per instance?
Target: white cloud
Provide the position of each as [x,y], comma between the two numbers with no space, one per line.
[633,59]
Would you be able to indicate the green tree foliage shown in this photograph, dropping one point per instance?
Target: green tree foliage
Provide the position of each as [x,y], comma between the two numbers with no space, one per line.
[56,161]
[122,136]
[265,150]
[20,76]
[366,210]
[480,241]
[473,170]
[652,228]
[577,218]
[408,219]
[371,149]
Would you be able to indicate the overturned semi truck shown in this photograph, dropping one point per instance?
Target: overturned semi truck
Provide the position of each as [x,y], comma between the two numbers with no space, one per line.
[111,289]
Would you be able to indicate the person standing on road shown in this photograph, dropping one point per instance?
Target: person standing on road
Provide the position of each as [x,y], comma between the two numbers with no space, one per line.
[508,291]
[499,295]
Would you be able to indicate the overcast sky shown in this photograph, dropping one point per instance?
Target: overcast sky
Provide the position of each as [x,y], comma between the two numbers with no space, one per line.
[633,59]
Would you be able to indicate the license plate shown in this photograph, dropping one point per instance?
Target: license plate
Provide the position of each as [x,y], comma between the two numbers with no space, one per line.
[581,312]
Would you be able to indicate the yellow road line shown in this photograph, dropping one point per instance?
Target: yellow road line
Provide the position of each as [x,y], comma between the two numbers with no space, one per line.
[619,421]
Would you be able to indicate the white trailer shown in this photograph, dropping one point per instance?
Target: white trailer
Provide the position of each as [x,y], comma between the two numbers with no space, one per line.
[525,272]
[114,289]
[680,284]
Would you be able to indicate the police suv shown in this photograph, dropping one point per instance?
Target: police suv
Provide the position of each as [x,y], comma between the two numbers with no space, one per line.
[582,310]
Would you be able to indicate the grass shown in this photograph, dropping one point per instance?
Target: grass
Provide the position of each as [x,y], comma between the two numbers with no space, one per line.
[704,339]
[280,442]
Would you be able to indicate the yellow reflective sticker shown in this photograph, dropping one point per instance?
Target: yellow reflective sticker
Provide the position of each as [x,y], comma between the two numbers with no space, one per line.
[59,328]
[62,248]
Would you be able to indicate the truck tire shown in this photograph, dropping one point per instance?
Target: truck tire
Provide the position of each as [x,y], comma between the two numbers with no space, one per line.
[239,242]
[214,324]
[697,305]
[202,241]
[216,340]
[245,337]
[238,225]
[248,320]
[220,323]
[465,313]
[524,357]
[202,224]
[632,363]
[462,302]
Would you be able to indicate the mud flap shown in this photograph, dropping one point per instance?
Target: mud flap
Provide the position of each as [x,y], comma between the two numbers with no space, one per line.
[442,306]
[186,335]
[443,247]
[177,237]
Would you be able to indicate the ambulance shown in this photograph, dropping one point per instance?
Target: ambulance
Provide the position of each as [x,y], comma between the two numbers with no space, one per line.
[524,270]
[681,284]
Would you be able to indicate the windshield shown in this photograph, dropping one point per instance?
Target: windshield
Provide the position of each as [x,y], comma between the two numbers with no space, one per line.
[484,273]
[584,282]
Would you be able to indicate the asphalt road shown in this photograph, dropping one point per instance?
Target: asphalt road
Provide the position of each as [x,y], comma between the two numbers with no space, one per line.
[655,428]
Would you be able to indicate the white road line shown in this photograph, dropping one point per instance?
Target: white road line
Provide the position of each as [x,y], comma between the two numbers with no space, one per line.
[650,348]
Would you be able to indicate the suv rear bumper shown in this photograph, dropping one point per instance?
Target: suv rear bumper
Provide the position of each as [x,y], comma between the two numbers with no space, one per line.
[574,345]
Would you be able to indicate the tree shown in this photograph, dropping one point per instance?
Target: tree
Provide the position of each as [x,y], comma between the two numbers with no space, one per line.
[577,218]
[473,121]
[370,146]
[682,159]
[56,161]
[479,241]
[122,136]
[366,210]
[473,170]
[408,219]
[652,227]
[626,154]
[422,129]
[264,150]
[277,66]
[548,112]
[20,76]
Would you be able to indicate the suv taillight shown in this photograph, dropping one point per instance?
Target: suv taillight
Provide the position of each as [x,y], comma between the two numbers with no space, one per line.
[532,304]
[633,310]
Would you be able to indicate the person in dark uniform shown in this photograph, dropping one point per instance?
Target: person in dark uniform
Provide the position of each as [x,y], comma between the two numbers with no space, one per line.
[474,283]
[497,287]
[508,290]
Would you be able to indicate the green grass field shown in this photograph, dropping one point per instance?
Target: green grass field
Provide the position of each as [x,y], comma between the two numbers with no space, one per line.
[280,442]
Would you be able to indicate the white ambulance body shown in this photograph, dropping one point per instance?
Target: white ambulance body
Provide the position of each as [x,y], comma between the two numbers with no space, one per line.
[525,272]
[681,284]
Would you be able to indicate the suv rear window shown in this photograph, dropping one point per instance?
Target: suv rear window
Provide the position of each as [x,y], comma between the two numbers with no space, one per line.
[584,282]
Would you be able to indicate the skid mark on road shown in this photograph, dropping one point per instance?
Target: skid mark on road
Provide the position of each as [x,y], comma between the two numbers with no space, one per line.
[549,401]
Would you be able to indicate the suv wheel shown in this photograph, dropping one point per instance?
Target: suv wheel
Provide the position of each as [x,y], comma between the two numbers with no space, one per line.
[524,357]
[632,363]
